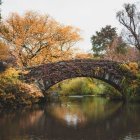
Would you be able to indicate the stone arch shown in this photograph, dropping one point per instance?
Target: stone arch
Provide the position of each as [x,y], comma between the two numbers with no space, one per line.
[50,74]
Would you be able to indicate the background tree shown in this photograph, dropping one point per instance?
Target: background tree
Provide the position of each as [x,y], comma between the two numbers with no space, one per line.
[102,39]
[129,17]
[119,51]
[34,38]
[110,46]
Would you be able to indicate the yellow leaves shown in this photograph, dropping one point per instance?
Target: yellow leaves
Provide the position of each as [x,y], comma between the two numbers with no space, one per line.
[10,75]
[134,84]
[37,38]
[53,54]
[132,67]
[10,72]
[84,55]
[69,33]
[92,85]
[4,51]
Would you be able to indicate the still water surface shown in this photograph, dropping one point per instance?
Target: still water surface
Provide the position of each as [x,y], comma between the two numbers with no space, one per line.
[87,118]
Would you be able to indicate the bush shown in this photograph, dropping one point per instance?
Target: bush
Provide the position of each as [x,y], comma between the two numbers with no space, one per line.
[131,67]
[15,92]
[78,86]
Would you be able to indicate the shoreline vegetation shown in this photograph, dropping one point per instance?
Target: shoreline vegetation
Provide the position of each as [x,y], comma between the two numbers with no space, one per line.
[14,92]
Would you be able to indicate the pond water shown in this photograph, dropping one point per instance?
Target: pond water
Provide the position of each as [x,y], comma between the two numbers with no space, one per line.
[73,118]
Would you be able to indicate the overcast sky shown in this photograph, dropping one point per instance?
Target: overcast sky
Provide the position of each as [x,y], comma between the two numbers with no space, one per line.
[88,15]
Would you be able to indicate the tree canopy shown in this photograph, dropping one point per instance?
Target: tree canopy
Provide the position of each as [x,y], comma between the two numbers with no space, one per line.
[107,44]
[35,38]
[102,39]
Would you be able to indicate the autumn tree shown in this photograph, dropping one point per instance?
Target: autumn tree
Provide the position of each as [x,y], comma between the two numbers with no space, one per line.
[121,52]
[102,39]
[4,52]
[62,49]
[129,17]
[34,38]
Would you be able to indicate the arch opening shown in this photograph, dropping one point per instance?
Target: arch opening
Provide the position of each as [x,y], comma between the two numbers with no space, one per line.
[83,86]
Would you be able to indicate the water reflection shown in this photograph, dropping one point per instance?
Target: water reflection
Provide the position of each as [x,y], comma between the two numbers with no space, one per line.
[79,111]
[73,119]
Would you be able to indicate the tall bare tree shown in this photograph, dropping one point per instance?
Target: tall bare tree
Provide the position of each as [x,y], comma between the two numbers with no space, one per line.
[129,17]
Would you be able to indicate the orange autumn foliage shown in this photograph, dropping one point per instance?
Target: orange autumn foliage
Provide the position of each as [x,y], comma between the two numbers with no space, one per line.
[36,39]
[83,55]
[4,52]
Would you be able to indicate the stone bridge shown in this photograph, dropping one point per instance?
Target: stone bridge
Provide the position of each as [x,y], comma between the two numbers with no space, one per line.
[50,74]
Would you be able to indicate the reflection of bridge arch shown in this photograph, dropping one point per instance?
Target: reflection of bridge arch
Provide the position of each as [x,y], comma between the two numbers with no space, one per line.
[83,111]
[48,75]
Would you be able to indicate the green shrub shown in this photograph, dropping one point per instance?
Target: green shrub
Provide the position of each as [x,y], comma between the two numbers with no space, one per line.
[79,86]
